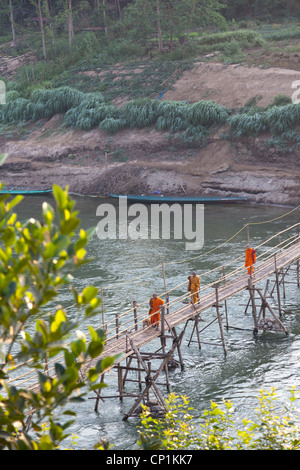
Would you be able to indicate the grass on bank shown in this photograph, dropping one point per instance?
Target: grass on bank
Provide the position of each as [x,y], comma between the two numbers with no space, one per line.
[191,122]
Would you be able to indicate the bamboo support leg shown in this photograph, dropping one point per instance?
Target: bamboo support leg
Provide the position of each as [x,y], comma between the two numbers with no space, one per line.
[151,380]
[263,306]
[196,327]
[98,394]
[225,302]
[178,348]
[252,296]
[120,383]
[197,331]
[135,315]
[163,344]
[220,321]
[278,292]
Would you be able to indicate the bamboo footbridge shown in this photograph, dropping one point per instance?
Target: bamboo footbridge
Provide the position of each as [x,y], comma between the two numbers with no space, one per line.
[129,332]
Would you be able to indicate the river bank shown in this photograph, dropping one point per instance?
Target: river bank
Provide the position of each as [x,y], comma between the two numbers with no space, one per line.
[143,161]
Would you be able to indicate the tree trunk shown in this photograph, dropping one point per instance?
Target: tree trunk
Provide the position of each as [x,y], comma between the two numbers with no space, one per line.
[11,15]
[70,25]
[42,28]
[190,21]
[158,27]
[50,22]
[118,7]
[104,16]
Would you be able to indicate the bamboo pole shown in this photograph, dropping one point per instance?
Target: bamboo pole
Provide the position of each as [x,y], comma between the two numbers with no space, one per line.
[220,320]
[165,284]
[225,302]
[278,292]
[252,295]
[102,308]
[120,382]
[98,394]
[163,342]
[135,315]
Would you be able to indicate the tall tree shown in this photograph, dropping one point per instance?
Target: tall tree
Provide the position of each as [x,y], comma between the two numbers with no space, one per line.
[170,17]
[70,23]
[159,34]
[41,23]
[11,16]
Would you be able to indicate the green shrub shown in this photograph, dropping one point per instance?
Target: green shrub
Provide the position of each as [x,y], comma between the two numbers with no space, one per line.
[89,113]
[86,118]
[194,135]
[286,142]
[282,118]
[232,48]
[281,100]
[170,124]
[112,125]
[12,95]
[141,112]
[172,109]
[57,100]
[248,124]
[17,110]
[206,113]
[274,426]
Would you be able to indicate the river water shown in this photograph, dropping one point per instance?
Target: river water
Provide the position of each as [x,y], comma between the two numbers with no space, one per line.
[130,270]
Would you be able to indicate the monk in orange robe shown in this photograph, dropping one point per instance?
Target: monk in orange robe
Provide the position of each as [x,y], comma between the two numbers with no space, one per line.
[154,311]
[194,287]
[250,258]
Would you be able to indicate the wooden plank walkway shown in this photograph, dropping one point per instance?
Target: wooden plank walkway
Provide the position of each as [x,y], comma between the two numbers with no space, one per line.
[121,345]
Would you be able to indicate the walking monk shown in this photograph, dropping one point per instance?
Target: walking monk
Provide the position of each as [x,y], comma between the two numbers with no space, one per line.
[154,311]
[250,258]
[195,286]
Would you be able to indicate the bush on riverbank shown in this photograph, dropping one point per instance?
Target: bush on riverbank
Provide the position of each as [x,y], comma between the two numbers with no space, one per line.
[274,427]
[189,121]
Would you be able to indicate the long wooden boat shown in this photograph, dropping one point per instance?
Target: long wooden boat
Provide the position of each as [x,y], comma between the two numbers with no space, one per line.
[25,191]
[174,199]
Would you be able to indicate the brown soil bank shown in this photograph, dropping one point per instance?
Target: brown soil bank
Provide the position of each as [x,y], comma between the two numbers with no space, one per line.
[145,161]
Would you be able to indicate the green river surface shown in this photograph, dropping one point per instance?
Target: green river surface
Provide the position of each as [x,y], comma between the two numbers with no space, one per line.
[129,270]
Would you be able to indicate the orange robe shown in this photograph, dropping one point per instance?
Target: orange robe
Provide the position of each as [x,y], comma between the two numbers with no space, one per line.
[250,258]
[154,311]
[195,286]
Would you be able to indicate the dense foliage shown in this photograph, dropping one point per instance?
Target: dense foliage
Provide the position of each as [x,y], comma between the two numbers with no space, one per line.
[189,121]
[36,261]
[274,426]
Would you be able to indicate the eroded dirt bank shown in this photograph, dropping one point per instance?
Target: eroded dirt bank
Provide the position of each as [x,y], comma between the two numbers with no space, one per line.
[145,161]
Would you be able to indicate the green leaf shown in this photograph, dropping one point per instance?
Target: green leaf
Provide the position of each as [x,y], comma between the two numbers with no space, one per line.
[105,363]
[48,213]
[60,196]
[95,348]
[92,374]
[59,369]
[88,294]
